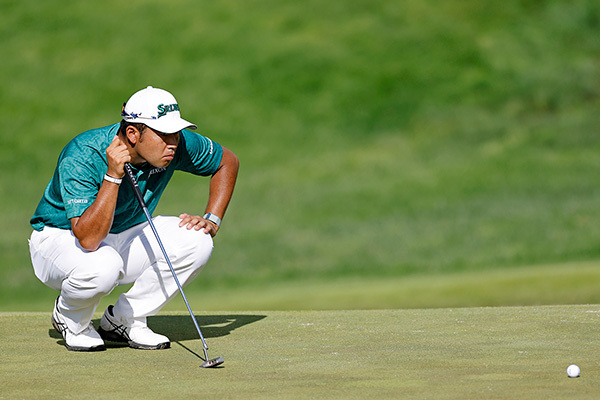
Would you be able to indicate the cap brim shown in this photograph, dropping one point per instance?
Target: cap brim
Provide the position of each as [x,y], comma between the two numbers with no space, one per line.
[169,125]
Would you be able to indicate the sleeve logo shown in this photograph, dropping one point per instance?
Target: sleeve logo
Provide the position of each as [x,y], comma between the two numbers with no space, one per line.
[77,201]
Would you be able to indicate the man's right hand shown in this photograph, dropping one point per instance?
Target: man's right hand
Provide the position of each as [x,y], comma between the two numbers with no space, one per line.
[117,154]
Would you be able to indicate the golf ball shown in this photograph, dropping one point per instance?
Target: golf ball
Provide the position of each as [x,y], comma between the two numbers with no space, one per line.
[573,371]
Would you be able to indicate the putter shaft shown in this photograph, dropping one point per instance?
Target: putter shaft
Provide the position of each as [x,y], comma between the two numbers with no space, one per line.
[140,198]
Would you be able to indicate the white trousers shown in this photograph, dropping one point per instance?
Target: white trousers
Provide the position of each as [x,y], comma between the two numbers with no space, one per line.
[133,256]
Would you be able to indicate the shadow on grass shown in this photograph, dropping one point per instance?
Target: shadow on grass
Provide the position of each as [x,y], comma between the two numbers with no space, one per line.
[180,328]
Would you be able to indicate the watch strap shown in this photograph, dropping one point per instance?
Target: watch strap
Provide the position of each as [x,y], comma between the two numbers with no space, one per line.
[213,218]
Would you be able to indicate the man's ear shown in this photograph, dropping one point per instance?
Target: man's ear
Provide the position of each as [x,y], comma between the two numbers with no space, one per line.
[133,135]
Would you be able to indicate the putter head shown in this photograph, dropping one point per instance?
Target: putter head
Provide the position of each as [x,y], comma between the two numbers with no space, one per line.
[213,362]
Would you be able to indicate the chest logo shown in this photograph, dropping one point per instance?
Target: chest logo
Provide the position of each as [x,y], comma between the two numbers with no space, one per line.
[156,171]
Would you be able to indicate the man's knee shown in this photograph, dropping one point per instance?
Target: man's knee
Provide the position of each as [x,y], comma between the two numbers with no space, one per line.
[186,246]
[98,275]
[196,248]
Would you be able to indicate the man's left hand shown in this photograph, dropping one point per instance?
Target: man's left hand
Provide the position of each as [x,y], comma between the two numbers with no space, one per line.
[197,222]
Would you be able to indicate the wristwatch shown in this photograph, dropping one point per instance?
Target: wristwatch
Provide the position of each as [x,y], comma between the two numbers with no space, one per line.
[213,218]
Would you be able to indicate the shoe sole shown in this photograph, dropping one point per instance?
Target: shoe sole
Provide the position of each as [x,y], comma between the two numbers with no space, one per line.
[113,337]
[138,346]
[77,348]
[86,349]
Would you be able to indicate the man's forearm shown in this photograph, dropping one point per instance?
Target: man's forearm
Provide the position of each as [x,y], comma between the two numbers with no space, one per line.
[94,224]
[222,184]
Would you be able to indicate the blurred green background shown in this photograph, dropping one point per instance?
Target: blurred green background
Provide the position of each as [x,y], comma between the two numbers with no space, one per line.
[393,153]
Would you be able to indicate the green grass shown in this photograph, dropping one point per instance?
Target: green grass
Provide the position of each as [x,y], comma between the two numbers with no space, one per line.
[495,353]
[379,140]
[571,283]
[405,159]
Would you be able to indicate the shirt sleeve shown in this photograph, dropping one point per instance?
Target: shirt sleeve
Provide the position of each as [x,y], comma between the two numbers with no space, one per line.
[79,185]
[198,154]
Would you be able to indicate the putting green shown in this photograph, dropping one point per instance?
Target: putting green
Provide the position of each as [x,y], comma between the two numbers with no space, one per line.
[504,352]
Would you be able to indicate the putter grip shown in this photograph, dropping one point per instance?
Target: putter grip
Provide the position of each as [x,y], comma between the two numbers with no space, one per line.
[134,185]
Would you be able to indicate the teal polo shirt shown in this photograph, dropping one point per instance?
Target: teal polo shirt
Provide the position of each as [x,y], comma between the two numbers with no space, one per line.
[81,168]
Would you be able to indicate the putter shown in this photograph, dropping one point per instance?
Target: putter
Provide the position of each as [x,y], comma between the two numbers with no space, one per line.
[208,363]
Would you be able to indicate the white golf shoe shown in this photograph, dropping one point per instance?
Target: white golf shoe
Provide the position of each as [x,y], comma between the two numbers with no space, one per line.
[136,337]
[87,340]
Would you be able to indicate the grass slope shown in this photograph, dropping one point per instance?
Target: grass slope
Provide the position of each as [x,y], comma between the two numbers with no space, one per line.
[570,283]
[495,353]
[378,139]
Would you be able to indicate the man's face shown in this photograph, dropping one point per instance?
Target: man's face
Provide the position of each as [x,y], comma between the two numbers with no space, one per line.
[157,148]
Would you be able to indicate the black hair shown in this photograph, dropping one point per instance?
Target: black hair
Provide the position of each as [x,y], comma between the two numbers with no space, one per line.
[124,124]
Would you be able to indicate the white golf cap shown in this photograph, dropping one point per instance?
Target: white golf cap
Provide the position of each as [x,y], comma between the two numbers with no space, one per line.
[157,109]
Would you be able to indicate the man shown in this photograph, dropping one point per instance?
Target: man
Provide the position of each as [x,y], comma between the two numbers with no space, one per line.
[90,234]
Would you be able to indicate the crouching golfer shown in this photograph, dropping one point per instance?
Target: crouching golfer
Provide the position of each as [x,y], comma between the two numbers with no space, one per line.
[90,233]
